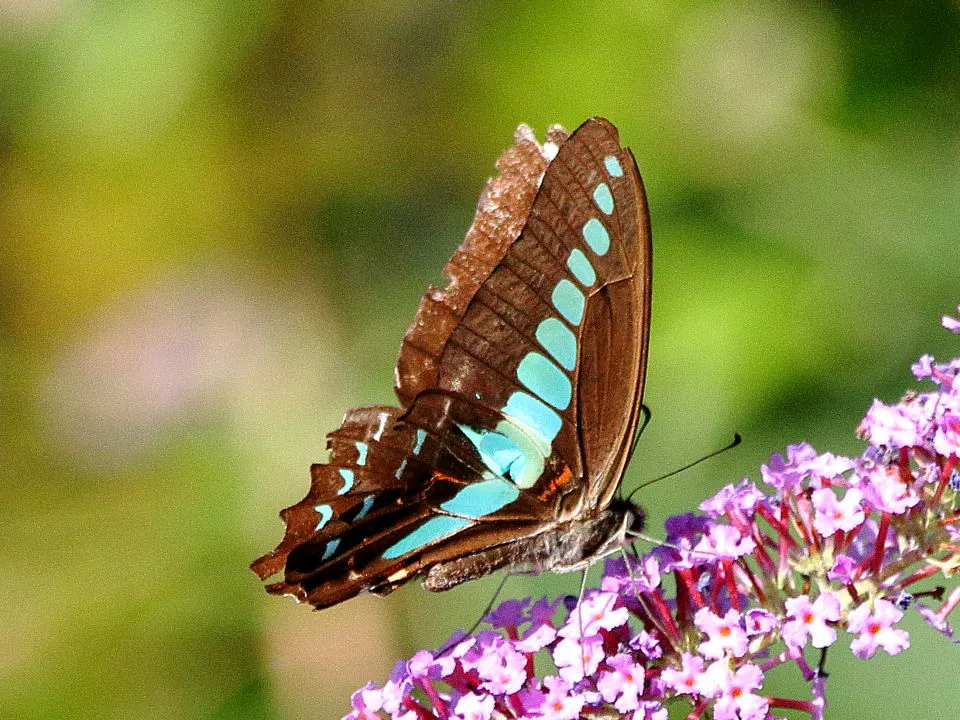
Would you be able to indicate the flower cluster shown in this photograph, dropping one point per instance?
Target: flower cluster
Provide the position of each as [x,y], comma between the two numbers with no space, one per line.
[835,555]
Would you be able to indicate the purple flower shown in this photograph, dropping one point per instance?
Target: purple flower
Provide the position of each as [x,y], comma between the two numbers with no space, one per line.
[842,569]
[787,474]
[509,613]
[757,621]
[647,644]
[874,629]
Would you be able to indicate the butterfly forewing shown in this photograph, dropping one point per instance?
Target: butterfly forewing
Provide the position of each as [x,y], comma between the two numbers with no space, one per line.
[521,382]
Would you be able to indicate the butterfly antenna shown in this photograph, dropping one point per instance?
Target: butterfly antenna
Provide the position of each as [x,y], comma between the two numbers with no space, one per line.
[737,439]
[647,414]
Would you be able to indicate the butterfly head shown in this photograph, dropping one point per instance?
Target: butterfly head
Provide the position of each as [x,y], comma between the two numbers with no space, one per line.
[632,517]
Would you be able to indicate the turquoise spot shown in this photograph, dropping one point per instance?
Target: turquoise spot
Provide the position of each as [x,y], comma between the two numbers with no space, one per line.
[432,530]
[581,268]
[569,301]
[367,504]
[596,236]
[559,341]
[347,476]
[482,498]
[362,453]
[399,471]
[421,436]
[613,166]
[497,451]
[534,414]
[545,379]
[603,198]
[326,512]
[331,549]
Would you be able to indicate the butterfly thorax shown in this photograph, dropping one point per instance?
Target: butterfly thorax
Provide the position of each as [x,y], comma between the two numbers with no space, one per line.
[563,547]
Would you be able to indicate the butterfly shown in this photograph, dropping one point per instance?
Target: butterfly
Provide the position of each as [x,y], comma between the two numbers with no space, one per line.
[520,388]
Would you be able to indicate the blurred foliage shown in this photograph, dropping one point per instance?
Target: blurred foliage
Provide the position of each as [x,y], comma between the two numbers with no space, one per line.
[218,219]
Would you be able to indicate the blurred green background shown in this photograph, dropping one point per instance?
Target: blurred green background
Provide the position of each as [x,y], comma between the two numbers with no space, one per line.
[218,219]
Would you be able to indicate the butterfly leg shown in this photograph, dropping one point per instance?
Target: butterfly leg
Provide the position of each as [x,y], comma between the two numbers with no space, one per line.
[583,591]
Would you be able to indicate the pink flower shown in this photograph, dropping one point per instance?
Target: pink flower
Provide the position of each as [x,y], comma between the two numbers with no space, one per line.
[623,685]
[502,669]
[537,640]
[684,680]
[875,628]
[598,613]
[576,657]
[559,703]
[946,440]
[723,634]
[897,425]
[736,700]
[951,324]
[806,619]
[474,707]
[885,491]
[725,541]
[833,515]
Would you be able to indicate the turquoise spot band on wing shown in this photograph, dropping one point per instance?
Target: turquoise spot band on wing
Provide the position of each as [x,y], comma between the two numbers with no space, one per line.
[581,268]
[361,453]
[559,341]
[330,549]
[479,499]
[510,452]
[347,476]
[533,413]
[596,236]
[326,512]
[569,300]
[603,198]
[367,504]
[432,530]
[613,166]
[498,452]
[545,379]
[421,436]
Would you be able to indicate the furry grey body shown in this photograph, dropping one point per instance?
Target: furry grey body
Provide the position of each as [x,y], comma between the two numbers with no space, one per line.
[562,548]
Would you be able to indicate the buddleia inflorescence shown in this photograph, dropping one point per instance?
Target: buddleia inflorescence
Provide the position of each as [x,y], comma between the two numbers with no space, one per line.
[835,555]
